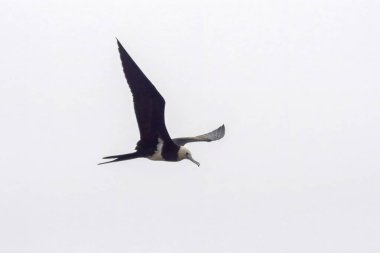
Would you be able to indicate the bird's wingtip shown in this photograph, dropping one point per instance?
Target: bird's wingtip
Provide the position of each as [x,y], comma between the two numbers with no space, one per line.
[222,131]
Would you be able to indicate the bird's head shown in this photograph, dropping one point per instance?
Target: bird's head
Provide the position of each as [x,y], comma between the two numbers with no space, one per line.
[184,153]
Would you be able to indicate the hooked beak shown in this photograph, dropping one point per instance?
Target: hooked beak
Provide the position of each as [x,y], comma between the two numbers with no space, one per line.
[191,159]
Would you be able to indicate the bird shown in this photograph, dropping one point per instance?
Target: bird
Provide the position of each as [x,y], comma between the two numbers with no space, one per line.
[155,142]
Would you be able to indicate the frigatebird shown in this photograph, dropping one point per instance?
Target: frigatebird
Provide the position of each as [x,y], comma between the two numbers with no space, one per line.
[155,142]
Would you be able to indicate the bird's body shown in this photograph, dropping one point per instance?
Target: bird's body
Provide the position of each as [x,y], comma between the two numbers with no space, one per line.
[155,142]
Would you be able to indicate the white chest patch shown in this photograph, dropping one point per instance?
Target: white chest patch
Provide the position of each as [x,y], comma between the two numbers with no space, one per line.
[157,156]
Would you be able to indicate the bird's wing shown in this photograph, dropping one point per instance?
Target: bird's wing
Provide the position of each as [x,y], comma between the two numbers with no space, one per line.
[217,134]
[148,103]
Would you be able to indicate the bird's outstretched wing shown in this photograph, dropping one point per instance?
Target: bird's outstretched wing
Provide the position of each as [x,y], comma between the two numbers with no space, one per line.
[217,134]
[148,103]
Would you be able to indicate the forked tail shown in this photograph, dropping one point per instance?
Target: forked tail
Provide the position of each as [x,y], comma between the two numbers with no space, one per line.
[119,158]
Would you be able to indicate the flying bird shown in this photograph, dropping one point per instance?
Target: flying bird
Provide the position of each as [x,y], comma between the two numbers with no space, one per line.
[155,142]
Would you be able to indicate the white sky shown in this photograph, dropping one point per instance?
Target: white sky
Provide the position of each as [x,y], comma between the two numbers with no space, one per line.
[296,82]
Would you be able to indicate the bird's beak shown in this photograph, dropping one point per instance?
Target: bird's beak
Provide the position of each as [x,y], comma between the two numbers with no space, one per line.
[191,159]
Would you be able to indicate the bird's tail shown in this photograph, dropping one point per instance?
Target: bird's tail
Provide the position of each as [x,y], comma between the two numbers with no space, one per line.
[118,158]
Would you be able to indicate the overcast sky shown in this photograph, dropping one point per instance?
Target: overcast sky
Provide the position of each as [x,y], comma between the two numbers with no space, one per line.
[296,83]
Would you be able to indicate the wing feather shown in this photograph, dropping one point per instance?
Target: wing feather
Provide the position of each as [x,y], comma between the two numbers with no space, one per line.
[217,134]
[148,103]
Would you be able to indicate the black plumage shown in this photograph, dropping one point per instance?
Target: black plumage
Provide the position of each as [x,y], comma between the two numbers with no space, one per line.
[149,108]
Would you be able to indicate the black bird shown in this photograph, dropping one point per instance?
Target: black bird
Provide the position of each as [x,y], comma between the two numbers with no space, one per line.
[155,142]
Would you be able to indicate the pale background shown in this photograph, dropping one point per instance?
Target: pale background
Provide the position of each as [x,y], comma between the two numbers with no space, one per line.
[296,82]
